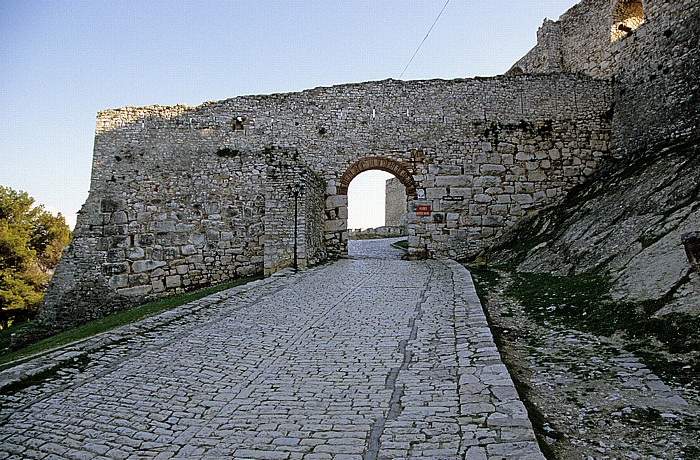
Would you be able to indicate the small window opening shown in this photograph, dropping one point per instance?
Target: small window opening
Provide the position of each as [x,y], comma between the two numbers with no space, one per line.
[238,123]
[627,16]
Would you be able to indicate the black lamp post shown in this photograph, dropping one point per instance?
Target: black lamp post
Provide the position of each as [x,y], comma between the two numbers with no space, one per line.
[297,190]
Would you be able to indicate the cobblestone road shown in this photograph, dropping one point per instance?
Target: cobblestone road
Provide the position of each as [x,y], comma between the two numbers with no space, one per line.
[366,358]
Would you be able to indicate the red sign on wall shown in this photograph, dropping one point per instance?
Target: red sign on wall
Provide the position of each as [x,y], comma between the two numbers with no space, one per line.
[423,210]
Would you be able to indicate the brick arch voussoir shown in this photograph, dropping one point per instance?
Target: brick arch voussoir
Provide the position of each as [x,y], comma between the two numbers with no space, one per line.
[382,164]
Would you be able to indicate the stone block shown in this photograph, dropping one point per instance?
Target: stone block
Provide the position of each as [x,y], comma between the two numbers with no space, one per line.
[173,281]
[481,158]
[504,199]
[135,253]
[118,281]
[536,176]
[139,279]
[483,198]
[467,220]
[523,198]
[492,221]
[141,266]
[487,181]
[336,201]
[337,225]
[491,169]
[433,193]
[523,156]
[112,205]
[476,453]
[157,286]
[188,250]
[136,291]
[116,230]
[170,253]
[452,181]
[165,226]
[461,191]
[119,217]
[146,239]
[571,171]
[111,269]
[450,170]
[499,209]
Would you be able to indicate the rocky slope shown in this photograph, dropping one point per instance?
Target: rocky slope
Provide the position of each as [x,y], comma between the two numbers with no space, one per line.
[596,308]
[624,225]
[588,396]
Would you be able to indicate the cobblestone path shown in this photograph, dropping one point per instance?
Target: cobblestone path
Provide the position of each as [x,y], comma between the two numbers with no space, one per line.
[363,359]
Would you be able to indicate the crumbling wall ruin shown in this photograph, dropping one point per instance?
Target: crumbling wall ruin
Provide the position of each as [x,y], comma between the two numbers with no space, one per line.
[648,48]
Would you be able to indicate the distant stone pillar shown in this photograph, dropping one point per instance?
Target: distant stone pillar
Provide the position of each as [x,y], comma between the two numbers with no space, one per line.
[691,242]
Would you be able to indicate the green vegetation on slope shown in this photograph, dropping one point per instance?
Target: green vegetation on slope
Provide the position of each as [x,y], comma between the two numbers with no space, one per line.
[669,344]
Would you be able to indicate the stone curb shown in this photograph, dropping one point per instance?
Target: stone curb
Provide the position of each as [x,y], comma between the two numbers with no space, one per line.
[493,420]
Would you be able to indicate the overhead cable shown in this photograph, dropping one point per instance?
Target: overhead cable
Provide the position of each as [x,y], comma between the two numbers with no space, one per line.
[424,38]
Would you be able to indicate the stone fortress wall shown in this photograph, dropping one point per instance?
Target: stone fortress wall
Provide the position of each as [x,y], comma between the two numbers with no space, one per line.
[648,48]
[186,196]
[395,214]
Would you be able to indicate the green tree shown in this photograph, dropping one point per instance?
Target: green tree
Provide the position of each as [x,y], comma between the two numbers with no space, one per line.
[31,242]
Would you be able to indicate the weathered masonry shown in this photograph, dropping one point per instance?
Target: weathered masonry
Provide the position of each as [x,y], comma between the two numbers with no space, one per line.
[188,196]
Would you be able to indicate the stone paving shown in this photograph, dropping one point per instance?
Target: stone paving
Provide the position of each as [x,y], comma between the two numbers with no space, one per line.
[366,358]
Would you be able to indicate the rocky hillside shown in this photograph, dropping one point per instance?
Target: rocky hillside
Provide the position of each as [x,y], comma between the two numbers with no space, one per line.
[625,226]
[593,301]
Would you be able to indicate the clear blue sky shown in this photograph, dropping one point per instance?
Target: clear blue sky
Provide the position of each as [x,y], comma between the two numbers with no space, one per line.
[62,61]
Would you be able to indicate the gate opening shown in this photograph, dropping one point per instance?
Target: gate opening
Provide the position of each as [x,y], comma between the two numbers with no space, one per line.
[377,210]
[337,224]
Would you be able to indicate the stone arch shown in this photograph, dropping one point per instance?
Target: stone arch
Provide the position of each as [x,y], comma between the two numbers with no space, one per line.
[627,15]
[382,164]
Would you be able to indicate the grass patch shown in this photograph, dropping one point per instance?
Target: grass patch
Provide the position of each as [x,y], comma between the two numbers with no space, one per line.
[575,300]
[105,324]
[403,245]
[484,281]
[581,302]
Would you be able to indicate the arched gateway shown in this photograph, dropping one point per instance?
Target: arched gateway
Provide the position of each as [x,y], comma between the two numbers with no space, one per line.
[337,204]
[187,196]
[382,164]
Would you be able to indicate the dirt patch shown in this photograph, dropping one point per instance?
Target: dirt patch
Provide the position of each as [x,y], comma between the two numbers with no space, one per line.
[592,395]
